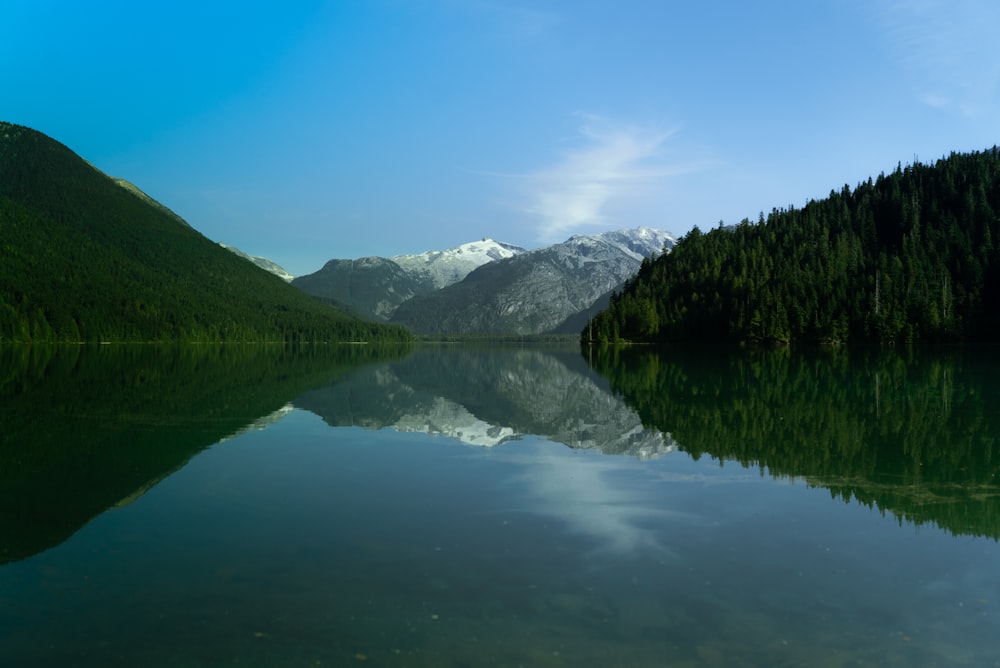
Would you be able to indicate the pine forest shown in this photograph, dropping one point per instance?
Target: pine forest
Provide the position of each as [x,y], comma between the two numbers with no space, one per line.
[908,257]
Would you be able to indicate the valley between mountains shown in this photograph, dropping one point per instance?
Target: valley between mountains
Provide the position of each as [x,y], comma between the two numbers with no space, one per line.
[91,258]
[908,257]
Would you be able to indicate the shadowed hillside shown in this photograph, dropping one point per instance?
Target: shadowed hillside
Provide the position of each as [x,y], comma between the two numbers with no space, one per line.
[84,257]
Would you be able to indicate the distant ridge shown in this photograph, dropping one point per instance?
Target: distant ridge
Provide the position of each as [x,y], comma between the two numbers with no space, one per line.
[490,288]
[262,262]
[551,290]
[84,257]
[376,286]
[447,267]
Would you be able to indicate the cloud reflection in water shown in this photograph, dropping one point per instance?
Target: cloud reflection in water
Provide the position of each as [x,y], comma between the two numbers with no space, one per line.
[605,498]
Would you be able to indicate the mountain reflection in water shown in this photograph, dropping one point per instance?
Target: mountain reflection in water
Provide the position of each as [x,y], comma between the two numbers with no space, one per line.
[914,433]
[505,506]
[90,428]
[488,396]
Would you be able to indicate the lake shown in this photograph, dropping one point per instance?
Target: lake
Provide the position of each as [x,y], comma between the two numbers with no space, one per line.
[499,506]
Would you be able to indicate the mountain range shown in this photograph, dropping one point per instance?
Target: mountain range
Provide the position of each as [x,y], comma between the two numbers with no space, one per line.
[374,287]
[489,287]
[89,257]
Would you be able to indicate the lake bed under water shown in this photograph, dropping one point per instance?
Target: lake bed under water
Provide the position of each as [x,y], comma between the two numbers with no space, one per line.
[376,519]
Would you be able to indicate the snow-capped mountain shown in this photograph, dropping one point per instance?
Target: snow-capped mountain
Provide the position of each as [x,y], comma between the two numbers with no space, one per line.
[640,242]
[261,262]
[444,268]
[548,290]
[490,287]
[374,287]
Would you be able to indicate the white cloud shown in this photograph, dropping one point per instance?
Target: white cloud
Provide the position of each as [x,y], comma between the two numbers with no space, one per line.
[614,163]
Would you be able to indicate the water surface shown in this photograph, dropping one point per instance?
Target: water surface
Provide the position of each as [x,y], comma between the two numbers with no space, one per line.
[512,506]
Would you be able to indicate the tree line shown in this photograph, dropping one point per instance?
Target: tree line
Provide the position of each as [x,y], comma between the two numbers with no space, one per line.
[911,256]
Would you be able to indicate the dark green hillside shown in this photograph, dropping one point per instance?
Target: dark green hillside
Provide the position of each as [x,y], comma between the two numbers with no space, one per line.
[912,256]
[85,258]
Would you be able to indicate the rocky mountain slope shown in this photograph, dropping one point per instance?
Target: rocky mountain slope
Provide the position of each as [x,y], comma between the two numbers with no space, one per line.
[370,286]
[376,286]
[443,268]
[262,262]
[549,290]
[489,287]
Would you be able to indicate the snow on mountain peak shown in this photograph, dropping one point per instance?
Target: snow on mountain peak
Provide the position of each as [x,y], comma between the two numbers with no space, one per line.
[638,243]
[443,268]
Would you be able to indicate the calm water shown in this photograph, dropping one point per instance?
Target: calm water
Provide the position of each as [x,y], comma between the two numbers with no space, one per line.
[499,507]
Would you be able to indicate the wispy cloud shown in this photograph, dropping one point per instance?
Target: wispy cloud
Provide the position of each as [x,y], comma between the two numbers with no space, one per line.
[612,162]
[949,50]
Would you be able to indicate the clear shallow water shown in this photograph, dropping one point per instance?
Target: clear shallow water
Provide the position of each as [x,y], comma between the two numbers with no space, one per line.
[299,543]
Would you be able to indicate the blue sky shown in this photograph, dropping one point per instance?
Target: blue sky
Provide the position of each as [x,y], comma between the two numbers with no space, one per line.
[304,131]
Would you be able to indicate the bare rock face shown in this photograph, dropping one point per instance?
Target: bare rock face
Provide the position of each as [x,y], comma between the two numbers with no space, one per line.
[444,268]
[489,287]
[549,290]
[262,262]
[372,287]
[375,286]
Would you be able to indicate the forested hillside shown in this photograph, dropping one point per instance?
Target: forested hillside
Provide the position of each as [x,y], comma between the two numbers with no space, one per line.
[910,257]
[84,258]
